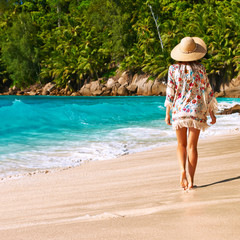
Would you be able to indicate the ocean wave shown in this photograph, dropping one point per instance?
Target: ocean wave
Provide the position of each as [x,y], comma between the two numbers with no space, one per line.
[39,133]
[107,145]
[228,103]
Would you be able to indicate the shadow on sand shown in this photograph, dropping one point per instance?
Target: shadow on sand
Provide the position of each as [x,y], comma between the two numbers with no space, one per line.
[222,181]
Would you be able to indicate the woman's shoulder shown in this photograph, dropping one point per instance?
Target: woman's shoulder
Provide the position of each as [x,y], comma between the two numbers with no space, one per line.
[200,65]
[193,66]
[200,68]
[174,66]
[178,65]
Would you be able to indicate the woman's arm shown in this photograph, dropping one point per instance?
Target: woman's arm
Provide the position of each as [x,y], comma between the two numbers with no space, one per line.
[170,93]
[168,118]
[210,100]
[212,116]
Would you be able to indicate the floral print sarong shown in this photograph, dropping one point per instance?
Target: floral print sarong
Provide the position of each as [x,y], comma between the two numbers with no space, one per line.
[190,95]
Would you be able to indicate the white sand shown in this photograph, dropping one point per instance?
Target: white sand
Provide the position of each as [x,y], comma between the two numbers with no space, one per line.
[132,197]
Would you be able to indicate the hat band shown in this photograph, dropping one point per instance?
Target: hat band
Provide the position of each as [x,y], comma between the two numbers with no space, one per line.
[190,51]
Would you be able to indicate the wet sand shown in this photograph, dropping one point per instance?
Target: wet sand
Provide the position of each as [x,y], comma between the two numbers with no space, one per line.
[132,197]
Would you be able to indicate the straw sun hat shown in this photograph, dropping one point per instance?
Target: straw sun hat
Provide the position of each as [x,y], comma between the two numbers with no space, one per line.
[189,49]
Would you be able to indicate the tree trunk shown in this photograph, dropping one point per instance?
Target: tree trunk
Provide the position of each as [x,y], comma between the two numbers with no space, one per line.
[58,12]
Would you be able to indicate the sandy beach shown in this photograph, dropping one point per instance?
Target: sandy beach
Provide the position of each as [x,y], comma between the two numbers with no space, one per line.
[132,197]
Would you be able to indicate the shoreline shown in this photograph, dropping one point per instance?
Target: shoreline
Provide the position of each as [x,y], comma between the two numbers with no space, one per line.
[219,95]
[162,144]
[59,169]
[135,196]
[40,172]
[160,136]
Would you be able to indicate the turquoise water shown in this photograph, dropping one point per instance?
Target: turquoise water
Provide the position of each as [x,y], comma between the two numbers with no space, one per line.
[45,132]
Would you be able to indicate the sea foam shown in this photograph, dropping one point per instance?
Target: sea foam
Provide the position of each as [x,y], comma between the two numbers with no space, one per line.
[39,133]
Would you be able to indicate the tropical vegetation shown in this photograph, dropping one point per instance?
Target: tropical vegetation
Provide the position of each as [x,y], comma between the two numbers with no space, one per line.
[71,42]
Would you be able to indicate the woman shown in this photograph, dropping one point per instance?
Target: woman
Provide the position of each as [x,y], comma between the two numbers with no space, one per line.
[190,97]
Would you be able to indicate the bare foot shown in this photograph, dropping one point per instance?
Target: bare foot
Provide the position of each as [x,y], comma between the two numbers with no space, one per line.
[191,186]
[183,180]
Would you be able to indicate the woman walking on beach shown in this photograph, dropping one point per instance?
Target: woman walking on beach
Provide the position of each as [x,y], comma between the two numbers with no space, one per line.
[190,97]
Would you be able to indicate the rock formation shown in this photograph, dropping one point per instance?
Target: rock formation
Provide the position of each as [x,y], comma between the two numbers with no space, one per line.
[124,84]
[234,109]
[230,90]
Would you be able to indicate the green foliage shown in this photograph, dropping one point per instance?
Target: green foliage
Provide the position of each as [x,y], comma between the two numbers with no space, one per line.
[20,54]
[217,22]
[110,73]
[73,41]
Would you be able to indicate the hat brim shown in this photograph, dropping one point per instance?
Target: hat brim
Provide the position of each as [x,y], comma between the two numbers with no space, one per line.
[200,51]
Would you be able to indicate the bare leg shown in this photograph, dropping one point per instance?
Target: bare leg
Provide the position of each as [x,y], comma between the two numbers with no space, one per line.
[192,153]
[182,155]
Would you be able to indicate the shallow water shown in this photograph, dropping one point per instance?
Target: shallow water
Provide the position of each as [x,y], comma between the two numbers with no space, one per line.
[45,132]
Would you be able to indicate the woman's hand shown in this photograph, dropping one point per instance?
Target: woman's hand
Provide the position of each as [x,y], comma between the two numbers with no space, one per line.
[168,119]
[213,119]
[212,116]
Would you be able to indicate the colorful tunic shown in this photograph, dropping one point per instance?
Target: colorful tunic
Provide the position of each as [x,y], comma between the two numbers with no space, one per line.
[190,96]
